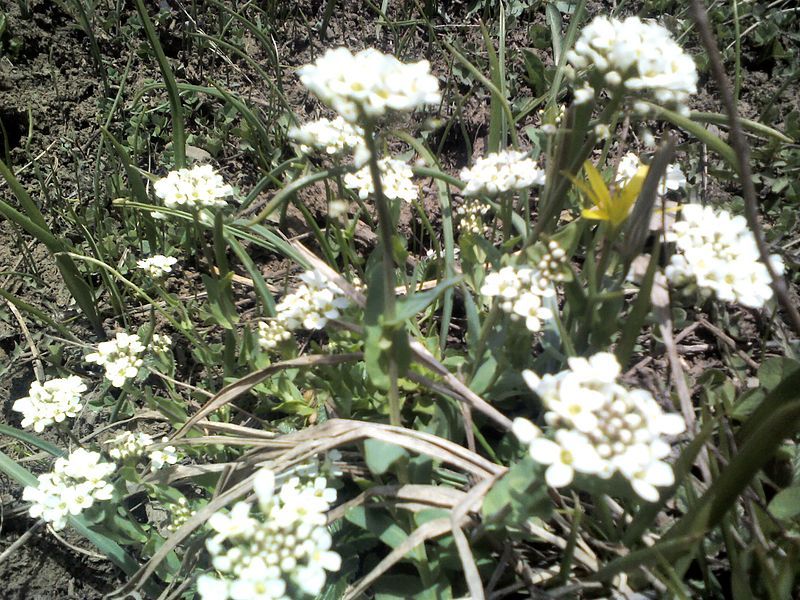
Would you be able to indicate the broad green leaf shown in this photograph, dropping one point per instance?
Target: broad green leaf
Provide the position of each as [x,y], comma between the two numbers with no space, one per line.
[380,456]
[786,504]
[416,302]
[220,300]
[378,523]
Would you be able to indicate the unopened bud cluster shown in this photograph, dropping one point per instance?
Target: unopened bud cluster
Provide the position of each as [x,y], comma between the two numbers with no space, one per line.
[553,264]
[50,402]
[470,216]
[600,428]
[73,486]
[280,550]
[521,292]
[180,512]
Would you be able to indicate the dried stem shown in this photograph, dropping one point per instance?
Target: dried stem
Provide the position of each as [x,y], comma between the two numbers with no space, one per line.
[742,151]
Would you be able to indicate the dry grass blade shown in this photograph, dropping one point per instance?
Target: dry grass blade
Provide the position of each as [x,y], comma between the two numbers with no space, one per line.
[243,385]
[471,502]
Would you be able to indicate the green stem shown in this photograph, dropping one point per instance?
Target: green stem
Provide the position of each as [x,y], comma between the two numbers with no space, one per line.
[386,232]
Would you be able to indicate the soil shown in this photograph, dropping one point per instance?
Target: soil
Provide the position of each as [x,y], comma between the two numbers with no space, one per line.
[51,102]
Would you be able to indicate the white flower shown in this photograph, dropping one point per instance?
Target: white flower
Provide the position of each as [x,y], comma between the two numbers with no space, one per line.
[600,427]
[569,453]
[195,188]
[160,343]
[639,55]
[51,402]
[211,588]
[369,82]
[168,455]
[157,266]
[521,292]
[128,444]
[396,180]
[311,305]
[673,180]
[717,251]
[75,483]
[272,333]
[501,172]
[332,137]
[121,357]
[524,430]
[278,551]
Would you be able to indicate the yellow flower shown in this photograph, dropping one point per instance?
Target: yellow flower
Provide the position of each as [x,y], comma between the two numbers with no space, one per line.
[615,206]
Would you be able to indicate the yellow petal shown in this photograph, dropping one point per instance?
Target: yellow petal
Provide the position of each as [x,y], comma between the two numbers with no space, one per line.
[597,184]
[595,214]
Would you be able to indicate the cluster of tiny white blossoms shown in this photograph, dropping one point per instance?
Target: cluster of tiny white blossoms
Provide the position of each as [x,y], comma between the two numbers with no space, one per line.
[281,551]
[121,357]
[552,266]
[369,83]
[73,486]
[717,251]
[51,402]
[470,216]
[501,172]
[180,512]
[673,180]
[195,188]
[160,343]
[521,292]
[157,266]
[396,179]
[600,428]
[639,55]
[331,136]
[272,333]
[310,306]
[130,444]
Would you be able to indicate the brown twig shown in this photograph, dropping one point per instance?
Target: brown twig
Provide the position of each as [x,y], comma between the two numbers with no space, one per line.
[740,147]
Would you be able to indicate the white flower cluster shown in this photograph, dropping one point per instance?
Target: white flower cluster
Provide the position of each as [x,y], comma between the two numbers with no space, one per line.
[396,179]
[641,56]
[195,188]
[521,291]
[601,428]
[501,172]
[157,266]
[553,264]
[160,343]
[331,136]
[470,216]
[369,82]
[717,251]
[674,178]
[51,402]
[272,333]
[283,552]
[180,512]
[121,357]
[312,304]
[133,445]
[73,486]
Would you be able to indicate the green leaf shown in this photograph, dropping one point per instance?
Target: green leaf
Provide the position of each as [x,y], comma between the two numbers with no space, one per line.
[220,300]
[31,439]
[380,456]
[416,302]
[377,523]
[786,504]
